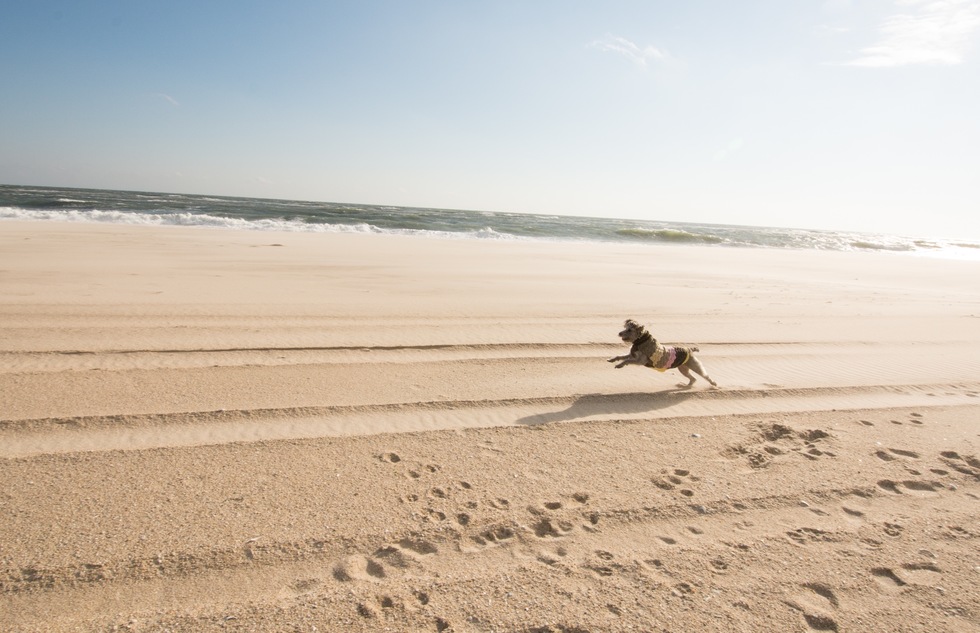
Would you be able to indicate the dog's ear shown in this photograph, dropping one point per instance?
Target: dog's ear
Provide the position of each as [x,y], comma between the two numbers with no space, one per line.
[630,324]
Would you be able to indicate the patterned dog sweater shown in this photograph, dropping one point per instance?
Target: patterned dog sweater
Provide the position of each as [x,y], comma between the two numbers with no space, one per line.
[671,358]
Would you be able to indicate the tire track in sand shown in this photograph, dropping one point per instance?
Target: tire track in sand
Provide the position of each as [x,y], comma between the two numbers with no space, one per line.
[143,431]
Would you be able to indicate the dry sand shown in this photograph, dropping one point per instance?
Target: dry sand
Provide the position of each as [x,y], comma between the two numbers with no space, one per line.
[211,430]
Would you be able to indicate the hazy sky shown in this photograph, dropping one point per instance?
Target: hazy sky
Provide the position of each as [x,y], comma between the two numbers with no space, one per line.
[850,114]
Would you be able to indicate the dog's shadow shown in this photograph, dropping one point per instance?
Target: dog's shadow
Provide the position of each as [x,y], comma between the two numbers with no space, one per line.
[611,403]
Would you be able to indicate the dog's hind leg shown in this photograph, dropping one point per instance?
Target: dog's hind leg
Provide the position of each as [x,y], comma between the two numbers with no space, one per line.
[693,364]
[687,374]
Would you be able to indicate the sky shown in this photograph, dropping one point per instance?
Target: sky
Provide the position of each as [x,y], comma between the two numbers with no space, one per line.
[830,114]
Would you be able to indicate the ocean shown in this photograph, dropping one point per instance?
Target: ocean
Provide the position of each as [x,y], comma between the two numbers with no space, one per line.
[220,212]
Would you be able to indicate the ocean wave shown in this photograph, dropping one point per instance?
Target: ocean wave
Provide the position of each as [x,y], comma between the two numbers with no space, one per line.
[671,235]
[255,214]
[219,222]
[877,246]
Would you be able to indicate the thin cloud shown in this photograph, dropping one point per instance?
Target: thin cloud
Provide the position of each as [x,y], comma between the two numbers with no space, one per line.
[622,46]
[930,32]
[169,99]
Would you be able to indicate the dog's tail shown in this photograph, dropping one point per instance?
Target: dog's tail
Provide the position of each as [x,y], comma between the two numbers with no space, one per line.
[694,348]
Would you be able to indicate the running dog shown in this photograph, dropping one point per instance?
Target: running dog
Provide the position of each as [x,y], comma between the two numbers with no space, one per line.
[648,352]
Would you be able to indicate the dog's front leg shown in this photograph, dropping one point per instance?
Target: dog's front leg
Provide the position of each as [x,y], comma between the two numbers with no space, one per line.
[626,360]
[616,358]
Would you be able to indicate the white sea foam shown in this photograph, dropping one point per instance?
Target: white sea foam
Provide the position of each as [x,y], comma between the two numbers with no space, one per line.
[215,212]
[212,221]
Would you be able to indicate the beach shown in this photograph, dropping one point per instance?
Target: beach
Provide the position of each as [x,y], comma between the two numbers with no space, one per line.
[221,430]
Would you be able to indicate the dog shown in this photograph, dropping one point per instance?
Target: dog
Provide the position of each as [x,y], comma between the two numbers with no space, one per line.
[648,352]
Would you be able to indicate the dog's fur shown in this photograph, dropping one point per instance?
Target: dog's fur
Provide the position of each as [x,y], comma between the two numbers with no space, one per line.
[646,351]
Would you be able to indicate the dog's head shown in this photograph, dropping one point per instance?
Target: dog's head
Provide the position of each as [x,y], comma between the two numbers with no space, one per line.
[632,331]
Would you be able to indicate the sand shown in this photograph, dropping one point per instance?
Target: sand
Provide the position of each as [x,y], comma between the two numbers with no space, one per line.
[209,430]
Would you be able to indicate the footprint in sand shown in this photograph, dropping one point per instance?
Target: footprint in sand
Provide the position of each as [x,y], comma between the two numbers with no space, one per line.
[420,547]
[852,512]
[358,568]
[887,579]
[904,453]
[494,535]
[896,487]
[500,504]
[805,535]
[816,604]
[672,479]
[889,455]
[967,465]
[304,585]
[775,440]
[893,529]
[551,528]
[552,560]
[926,574]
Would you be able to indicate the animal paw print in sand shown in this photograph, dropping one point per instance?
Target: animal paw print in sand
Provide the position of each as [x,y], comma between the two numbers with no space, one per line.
[379,607]
[677,479]
[893,453]
[905,485]
[416,471]
[914,418]
[391,559]
[553,559]
[435,492]
[549,522]
[965,464]
[919,573]
[494,535]
[776,440]
[362,568]
[392,609]
[817,603]
[805,535]
[555,519]
[603,564]
[391,458]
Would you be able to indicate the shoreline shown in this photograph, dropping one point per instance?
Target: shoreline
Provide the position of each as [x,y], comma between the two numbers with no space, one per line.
[183,210]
